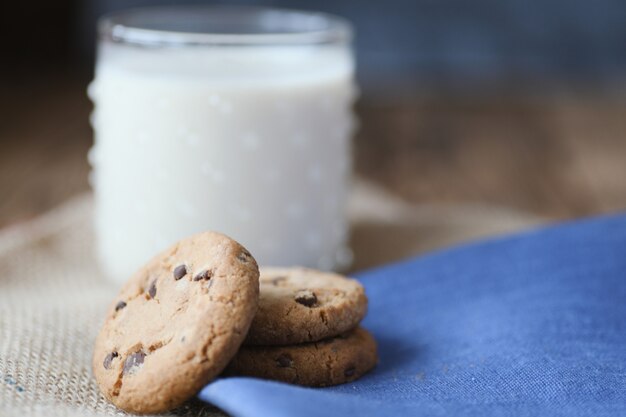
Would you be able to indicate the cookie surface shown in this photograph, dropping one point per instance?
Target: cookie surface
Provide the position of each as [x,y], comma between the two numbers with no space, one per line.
[329,362]
[176,323]
[298,305]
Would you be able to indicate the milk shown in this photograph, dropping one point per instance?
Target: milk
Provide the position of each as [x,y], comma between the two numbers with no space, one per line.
[253,142]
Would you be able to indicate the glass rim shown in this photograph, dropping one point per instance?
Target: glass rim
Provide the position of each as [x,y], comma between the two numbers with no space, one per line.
[117,27]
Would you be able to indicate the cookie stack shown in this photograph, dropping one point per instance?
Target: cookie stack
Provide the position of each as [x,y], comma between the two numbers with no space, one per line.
[183,317]
[306,330]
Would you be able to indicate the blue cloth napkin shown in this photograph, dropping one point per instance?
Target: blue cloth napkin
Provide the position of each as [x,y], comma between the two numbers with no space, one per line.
[528,325]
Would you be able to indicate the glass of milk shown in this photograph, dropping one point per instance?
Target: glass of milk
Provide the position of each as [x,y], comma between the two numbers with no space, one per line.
[236,120]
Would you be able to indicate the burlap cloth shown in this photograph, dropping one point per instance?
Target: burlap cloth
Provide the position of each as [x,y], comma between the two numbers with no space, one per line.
[52,297]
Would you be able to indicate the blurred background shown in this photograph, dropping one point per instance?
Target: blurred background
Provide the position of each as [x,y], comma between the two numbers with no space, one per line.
[491,103]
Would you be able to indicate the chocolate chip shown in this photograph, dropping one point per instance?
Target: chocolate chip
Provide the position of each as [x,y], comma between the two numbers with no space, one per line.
[350,371]
[204,274]
[244,256]
[120,306]
[108,359]
[284,361]
[152,289]
[179,272]
[133,361]
[306,298]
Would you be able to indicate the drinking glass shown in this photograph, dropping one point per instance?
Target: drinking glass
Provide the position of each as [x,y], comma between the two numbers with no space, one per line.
[237,120]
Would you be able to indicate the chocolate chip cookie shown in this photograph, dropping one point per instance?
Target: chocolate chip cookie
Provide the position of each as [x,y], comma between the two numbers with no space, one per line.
[299,305]
[176,324]
[329,362]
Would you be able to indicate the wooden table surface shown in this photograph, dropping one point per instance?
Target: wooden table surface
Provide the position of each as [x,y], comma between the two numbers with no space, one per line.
[554,154]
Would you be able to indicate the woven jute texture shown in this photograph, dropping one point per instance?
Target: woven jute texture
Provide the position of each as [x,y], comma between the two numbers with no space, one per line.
[52,296]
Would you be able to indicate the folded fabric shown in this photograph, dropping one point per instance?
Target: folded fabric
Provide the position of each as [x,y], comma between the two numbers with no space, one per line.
[533,324]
